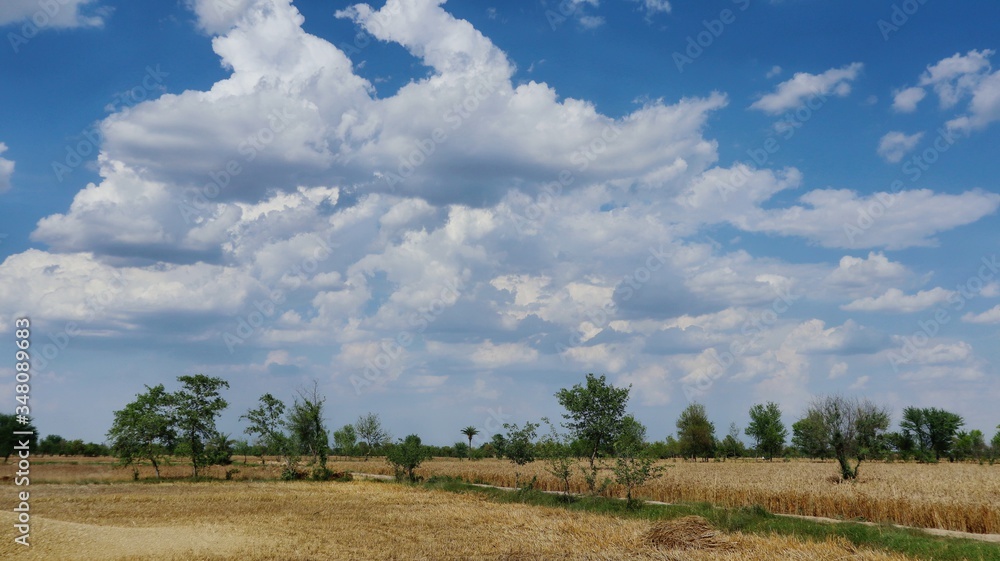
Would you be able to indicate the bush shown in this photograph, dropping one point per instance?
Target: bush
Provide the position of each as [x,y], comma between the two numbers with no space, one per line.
[406,456]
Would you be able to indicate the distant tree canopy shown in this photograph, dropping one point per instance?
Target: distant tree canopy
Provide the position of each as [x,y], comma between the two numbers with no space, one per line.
[932,431]
[695,433]
[9,440]
[853,428]
[767,430]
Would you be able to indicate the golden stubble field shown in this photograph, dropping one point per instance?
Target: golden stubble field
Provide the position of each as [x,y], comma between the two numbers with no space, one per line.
[251,521]
[962,496]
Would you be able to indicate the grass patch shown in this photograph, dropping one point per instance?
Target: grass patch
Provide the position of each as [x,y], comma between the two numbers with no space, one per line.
[750,520]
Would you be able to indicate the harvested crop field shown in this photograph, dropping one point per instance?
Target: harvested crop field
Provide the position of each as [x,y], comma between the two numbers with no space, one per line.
[360,520]
[962,496]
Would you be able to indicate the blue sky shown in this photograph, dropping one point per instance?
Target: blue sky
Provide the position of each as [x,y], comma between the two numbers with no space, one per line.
[445,212]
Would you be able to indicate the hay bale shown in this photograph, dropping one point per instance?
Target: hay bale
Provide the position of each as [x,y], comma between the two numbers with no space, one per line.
[689,532]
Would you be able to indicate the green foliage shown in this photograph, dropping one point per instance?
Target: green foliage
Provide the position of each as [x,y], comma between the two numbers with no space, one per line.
[370,431]
[594,412]
[767,430]
[470,431]
[556,449]
[406,456]
[196,406]
[305,422]
[499,445]
[933,431]
[460,450]
[345,440]
[266,424]
[633,466]
[520,446]
[8,440]
[695,433]
[852,427]
[810,436]
[144,429]
[732,446]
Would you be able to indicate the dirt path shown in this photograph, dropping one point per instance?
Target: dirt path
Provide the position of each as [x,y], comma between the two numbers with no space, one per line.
[991,538]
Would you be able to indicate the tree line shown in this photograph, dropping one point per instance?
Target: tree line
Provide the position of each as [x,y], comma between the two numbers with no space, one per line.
[595,438]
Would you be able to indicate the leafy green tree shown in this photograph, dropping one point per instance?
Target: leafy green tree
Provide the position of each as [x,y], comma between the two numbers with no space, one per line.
[305,421]
[520,446]
[196,406]
[810,436]
[52,445]
[969,445]
[633,465]
[851,427]
[470,431]
[370,431]
[557,451]
[695,433]
[767,430]
[995,444]
[932,429]
[406,456]
[732,445]
[144,429]
[499,443]
[594,415]
[345,440]
[9,440]
[266,424]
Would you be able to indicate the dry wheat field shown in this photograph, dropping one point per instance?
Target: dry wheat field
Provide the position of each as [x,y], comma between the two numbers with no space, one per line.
[250,521]
[962,496]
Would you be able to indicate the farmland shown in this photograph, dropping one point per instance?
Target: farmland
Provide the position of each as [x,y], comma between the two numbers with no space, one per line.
[960,496]
[359,520]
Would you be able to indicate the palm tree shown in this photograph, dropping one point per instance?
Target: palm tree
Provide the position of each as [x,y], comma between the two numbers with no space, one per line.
[470,431]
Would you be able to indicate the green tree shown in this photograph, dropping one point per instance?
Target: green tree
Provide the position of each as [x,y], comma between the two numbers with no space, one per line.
[9,441]
[810,436]
[52,445]
[995,444]
[370,431]
[933,430]
[499,443]
[767,430]
[266,424]
[520,446]
[470,431]
[851,427]
[196,406]
[633,465]
[732,445]
[594,414]
[345,440]
[557,451]
[144,429]
[305,421]
[406,456]
[695,433]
